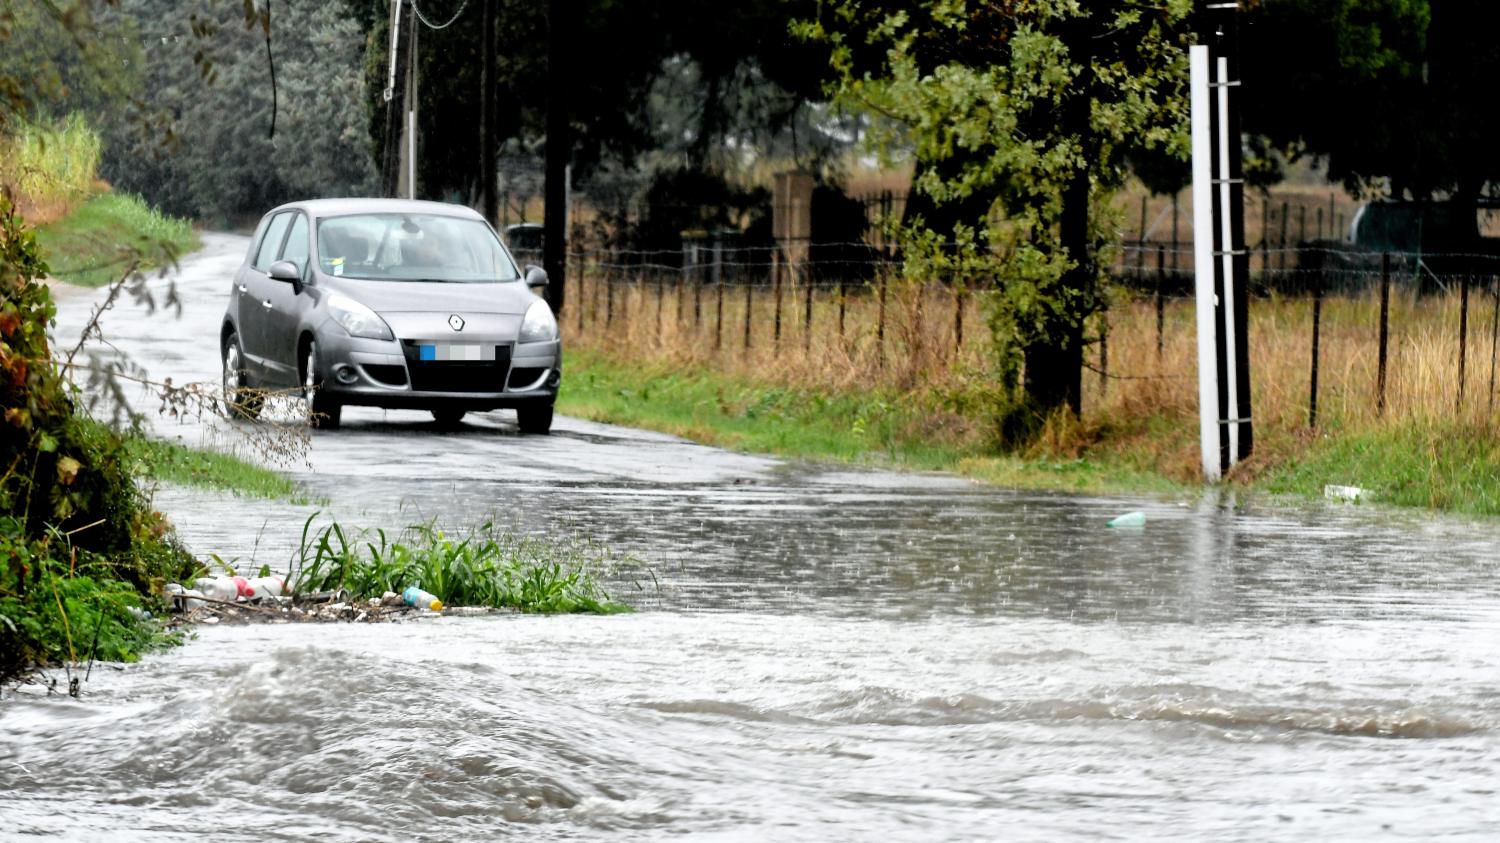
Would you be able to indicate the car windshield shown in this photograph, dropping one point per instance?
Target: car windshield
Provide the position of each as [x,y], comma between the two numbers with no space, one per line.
[412,247]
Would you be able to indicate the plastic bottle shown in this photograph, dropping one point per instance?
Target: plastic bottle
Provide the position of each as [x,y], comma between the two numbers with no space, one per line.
[421,599]
[187,599]
[272,586]
[220,588]
[1129,519]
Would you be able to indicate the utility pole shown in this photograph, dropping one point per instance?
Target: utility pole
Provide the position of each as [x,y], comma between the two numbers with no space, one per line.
[559,149]
[395,122]
[411,109]
[488,201]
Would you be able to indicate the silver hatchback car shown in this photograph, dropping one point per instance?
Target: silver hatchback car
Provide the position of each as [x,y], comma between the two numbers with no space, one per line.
[388,303]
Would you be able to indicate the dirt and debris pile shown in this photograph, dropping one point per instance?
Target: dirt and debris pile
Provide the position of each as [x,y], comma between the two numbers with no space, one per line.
[244,600]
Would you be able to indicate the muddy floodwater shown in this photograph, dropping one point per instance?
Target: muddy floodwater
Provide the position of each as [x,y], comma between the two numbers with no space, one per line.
[823,654]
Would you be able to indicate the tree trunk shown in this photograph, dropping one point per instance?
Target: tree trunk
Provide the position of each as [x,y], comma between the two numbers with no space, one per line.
[1054,363]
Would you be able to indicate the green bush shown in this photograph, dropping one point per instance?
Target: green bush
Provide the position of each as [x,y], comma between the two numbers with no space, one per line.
[79,543]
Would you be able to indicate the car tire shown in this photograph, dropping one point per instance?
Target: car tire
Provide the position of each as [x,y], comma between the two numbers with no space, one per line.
[535,418]
[241,399]
[448,418]
[323,412]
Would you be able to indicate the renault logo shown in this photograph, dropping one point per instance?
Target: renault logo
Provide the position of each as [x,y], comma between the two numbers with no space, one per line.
[456,322]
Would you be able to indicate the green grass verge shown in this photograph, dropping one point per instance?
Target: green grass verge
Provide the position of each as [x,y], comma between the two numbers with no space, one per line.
[93,245]
[1448,466]
[719,410]
[170,462]
[858,427]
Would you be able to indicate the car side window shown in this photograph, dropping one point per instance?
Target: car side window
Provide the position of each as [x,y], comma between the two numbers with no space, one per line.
[270,244]
[296,249]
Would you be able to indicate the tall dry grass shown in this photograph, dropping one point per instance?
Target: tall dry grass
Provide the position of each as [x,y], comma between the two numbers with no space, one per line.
[851,340]
[1143,398]
[50,166]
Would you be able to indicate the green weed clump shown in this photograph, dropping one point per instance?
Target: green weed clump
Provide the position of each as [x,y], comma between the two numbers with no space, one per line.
[486,567]
[95,244]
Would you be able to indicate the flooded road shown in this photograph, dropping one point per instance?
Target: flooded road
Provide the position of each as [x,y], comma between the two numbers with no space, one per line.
[825,654]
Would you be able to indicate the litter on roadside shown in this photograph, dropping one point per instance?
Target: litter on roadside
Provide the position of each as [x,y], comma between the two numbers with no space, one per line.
[1351,494]
[1129,519]
[266,599]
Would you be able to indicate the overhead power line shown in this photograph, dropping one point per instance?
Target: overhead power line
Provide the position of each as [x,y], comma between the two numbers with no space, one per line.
[429,24]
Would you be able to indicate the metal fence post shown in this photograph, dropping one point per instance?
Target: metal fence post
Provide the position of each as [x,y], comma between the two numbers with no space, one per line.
[776,280]
[1385,324]
[719,318]
[661,295]
[749,308]
[1161,308]
[1312,393]
[1463,336]
[958,320]
[807,313]
[841,293]
[1103,353]
[609,299]
[1285,213]
[1494,339]
[578,272]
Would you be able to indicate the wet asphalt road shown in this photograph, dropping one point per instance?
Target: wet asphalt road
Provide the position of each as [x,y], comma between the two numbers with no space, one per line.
[831,654]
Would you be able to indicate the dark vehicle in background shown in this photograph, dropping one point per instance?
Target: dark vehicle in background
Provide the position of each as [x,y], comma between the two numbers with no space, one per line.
[388,303]
[525,240]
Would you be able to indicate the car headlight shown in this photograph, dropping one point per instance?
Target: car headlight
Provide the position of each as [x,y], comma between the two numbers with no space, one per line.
[539,325]
[358,320]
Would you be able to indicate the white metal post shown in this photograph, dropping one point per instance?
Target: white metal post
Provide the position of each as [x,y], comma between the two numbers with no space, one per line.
[1226,252]
[1203,262]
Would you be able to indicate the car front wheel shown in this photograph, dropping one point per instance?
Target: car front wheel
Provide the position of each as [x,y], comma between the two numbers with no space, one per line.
[535,418]
[241,400]
[323,412]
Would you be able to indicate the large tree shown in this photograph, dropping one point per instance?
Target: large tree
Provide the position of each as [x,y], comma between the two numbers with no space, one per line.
[1021,115]
[198,141]
[1343,80]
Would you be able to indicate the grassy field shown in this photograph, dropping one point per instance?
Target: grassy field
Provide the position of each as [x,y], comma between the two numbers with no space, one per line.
[94,244]
[911,396]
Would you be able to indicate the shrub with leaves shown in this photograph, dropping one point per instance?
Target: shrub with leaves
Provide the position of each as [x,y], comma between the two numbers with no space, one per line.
[79,543]
[1020,116]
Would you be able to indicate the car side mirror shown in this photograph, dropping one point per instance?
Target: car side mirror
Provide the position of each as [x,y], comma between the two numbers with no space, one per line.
[288,272]
[536,279]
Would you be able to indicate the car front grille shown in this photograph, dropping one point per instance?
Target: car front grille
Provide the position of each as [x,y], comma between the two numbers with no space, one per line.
[456,376]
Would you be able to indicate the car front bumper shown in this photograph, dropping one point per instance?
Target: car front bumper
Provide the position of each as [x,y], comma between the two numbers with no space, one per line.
[392,374]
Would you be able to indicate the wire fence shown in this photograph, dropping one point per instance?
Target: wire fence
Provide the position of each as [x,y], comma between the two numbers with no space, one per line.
[1335,333]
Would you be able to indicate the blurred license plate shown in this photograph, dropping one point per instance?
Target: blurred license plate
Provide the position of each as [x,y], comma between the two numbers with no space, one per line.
[456,352]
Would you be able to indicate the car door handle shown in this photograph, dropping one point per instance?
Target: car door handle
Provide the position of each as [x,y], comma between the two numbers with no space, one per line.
[244,289]
[267,304]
